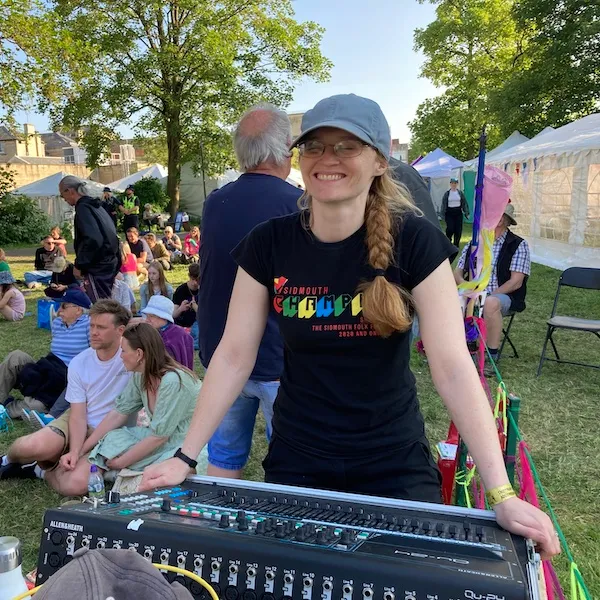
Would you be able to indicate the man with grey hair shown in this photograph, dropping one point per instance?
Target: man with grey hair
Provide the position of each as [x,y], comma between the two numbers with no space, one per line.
[97,255]
[262,139]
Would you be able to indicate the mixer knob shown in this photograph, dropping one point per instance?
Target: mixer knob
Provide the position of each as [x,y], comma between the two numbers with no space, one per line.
[241,515]
[415,524]
[321,537]
[452,530]
[166,505]
[426,526]
[260,528]
[279,531]
[346,538]
[300,533]
[224,522]
[243,524]
[439,528]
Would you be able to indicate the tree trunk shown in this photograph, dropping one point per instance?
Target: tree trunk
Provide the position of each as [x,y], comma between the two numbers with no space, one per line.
[174,160]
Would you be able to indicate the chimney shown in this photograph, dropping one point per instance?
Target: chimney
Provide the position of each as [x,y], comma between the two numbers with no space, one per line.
[29,129]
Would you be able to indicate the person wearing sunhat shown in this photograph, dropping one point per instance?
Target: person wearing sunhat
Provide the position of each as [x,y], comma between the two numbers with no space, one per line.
[12,301]
[130,207]
[345,276]
[507,288]
[178,342]
[110,204]
[41,382]
[454,206]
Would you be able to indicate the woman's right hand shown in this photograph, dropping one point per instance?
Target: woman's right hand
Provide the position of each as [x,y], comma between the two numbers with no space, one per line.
[165,474]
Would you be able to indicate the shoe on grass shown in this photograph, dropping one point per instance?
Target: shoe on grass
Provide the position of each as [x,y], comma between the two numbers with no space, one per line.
[17,471]
[39,420]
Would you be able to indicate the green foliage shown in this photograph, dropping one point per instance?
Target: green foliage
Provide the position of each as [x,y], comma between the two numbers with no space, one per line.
[560,81]
[151,191]
[155,149]
[469,49]
[507,64]
[7,180]
[181,71]
[21,220]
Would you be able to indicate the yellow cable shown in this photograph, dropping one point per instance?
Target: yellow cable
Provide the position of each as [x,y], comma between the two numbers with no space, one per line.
[27,593]
[192,576]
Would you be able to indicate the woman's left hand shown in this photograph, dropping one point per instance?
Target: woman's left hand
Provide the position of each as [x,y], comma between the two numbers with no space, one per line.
[522,518]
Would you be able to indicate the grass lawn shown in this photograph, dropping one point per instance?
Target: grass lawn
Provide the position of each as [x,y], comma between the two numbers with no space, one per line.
[559,419]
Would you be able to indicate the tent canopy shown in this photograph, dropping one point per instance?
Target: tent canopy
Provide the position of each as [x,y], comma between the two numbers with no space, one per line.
[580,136]
[48,186]
[556,186]
[45,192]
[438,164]
[514,139]
[120,185]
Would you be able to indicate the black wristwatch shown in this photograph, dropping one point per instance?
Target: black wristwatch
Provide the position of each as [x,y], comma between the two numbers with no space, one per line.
[186,459]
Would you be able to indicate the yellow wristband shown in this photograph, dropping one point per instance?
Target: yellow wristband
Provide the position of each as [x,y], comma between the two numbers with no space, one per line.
[500,494]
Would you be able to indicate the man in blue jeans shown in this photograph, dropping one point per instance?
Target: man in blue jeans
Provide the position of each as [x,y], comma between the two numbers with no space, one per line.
[261,140]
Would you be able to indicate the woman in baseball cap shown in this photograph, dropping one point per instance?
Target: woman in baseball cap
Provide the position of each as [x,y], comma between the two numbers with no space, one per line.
[344,277]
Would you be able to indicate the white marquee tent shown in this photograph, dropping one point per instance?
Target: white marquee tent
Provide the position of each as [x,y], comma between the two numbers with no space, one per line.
[514,139]
[45,191]
[191,190]
[156,171]
[439,167]
[556,193]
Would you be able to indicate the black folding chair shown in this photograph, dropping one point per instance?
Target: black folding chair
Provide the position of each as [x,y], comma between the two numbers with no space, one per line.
[506,339]
[576,277]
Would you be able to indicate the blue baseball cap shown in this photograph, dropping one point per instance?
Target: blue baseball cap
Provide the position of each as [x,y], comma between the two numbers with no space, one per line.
[77,297]
[356,115]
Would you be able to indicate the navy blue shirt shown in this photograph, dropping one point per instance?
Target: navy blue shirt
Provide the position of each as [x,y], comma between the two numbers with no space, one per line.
[230,213]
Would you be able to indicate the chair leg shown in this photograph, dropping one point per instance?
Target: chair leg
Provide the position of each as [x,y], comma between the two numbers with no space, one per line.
[543,356]
[516,354]
[506,338]
[554,347]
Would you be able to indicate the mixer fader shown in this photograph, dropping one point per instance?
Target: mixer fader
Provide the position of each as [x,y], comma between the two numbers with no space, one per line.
[256,541]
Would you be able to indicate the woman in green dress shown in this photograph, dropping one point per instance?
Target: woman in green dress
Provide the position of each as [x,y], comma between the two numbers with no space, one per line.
[164,388]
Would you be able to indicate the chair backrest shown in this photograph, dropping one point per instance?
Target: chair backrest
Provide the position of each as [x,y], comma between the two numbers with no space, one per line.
[578,277]
[581,277]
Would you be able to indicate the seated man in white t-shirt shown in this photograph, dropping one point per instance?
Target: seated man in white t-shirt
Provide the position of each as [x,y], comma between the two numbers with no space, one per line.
[95,378]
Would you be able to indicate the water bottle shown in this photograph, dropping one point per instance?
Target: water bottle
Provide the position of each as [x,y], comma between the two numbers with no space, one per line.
[95,483]
[12,583]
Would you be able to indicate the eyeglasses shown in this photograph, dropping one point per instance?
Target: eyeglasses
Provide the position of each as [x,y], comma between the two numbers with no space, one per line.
[343,149]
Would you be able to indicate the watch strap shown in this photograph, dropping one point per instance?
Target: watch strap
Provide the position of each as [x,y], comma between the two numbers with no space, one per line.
[186,459]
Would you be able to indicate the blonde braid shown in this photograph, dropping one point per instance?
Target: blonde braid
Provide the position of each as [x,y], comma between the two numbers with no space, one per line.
[386,305]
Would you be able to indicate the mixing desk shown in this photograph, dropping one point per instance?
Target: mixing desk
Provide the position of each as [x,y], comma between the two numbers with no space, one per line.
[256,541]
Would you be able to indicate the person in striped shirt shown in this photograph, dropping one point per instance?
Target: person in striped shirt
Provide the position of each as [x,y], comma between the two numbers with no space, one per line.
[41,382]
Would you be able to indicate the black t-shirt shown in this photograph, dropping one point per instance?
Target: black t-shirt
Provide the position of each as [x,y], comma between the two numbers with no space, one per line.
[183,292]
[344,390]
[137,248]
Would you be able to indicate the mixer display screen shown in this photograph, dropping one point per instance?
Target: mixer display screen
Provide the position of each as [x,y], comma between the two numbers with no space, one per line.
[255,541]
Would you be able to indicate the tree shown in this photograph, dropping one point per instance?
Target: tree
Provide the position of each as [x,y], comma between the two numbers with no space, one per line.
[183,70]
[469,49]
[34,51]
[561,80]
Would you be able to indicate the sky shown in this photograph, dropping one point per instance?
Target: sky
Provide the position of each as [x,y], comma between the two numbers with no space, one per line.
[370,43]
